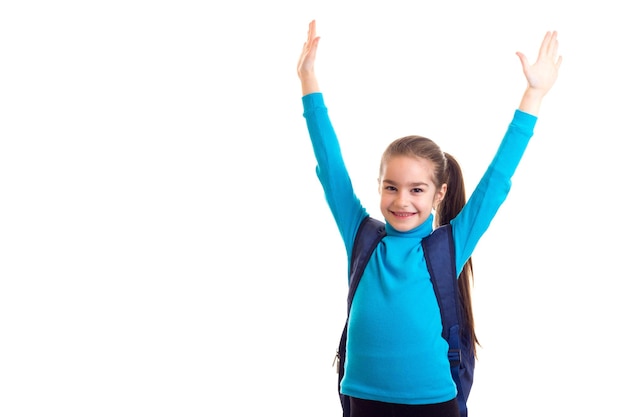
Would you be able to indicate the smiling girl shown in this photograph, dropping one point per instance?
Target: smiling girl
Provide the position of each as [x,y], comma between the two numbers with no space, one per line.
[396,358]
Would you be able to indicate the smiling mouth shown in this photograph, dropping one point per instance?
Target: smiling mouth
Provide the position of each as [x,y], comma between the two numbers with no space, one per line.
[402,214]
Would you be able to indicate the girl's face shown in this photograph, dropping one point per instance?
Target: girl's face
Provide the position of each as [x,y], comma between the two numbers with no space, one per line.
[407,191]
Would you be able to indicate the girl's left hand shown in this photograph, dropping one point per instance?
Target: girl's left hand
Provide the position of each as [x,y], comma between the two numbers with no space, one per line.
[542,75]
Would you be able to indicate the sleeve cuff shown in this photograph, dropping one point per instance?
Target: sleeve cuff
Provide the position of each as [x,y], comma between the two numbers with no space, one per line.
[524,120]
[313,100]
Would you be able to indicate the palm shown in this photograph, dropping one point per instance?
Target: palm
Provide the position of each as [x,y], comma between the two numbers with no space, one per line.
[543,73]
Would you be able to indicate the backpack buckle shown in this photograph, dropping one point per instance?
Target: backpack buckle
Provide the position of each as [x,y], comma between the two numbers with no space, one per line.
[454,356]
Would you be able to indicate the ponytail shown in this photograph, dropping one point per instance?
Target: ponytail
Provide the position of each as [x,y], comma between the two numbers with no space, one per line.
[447,210]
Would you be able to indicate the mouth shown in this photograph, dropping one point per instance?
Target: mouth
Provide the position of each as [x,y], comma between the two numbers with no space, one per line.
[402,214]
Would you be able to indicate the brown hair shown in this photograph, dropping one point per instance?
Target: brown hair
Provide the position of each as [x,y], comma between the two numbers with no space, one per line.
[446,171]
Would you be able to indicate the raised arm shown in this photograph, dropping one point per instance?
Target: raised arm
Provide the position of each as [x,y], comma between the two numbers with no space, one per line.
[541,75]
[306,63]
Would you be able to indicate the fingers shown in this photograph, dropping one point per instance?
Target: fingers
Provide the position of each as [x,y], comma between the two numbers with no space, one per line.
[543,49]
[312,30]
[554,45]
[312,40]
[550,45]
[523,60]
[312,34]
[558,62]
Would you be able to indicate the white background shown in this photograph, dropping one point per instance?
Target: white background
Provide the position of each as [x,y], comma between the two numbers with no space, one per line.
[166,249]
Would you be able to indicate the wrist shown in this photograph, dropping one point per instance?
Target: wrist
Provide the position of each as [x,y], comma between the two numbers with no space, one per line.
[309,84]
[531,100]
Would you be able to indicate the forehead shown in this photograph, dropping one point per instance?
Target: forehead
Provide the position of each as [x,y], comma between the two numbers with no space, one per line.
[403,168]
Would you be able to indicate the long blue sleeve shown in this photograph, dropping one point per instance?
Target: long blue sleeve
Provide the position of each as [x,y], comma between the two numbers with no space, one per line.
[331,170]
[470,225]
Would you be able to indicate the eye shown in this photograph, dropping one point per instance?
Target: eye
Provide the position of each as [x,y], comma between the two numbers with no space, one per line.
[417,190]
[390,188]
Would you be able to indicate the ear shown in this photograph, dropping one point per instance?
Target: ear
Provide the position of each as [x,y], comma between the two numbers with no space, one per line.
[440,194]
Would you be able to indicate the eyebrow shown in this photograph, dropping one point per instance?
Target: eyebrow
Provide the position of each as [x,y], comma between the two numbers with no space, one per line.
[413,184]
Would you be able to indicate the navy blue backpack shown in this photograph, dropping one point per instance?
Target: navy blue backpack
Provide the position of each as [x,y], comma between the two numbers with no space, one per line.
[439,252]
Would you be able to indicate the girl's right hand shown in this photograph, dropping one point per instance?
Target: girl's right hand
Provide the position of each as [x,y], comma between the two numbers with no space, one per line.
[306,63]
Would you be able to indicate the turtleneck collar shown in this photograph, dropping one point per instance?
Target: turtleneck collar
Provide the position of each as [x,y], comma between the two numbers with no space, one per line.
[420,231]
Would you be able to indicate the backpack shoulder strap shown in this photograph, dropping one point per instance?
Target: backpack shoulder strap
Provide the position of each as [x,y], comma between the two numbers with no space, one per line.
[440,260]
[369,234]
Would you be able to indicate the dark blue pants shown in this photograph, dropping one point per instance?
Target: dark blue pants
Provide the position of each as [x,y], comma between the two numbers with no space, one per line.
[367,408]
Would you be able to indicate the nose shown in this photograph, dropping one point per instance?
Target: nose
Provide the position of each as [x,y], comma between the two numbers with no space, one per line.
[403,200]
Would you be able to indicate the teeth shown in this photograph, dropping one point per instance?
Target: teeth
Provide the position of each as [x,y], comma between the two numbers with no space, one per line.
[403,214]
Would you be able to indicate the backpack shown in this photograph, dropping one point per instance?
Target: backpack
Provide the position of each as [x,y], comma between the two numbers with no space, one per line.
[439,252]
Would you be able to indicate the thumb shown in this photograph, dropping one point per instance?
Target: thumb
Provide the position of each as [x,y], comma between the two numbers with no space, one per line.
[522,59]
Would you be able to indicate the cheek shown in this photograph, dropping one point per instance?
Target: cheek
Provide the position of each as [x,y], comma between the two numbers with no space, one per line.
[384,200]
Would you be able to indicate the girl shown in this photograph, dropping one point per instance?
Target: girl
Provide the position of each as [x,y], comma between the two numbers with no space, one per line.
[396,359]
